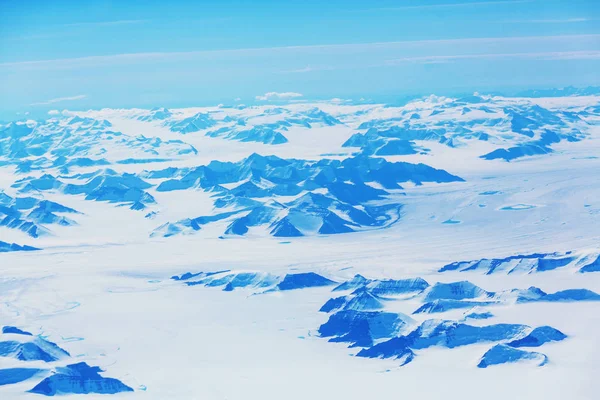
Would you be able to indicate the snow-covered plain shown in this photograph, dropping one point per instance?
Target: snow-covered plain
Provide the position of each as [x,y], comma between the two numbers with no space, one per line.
[120,201]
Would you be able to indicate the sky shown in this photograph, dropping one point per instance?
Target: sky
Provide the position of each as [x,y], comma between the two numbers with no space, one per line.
[94,54]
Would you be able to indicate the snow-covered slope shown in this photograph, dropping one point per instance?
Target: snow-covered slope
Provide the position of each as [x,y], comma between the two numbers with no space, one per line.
[233,252]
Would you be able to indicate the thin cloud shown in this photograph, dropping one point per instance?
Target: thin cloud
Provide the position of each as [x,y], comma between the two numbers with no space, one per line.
[453,5]
[278,96]
[108,23]
[337,100]
[571,55]
[442,59]
[150,56]
[60,100]
[306,69]
[548,21]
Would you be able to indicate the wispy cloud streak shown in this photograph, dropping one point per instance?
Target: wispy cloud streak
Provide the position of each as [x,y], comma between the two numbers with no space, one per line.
[548,21]
[108,23]
[60,100]
[172,56]
[453,5]
[306,69]
[557,55]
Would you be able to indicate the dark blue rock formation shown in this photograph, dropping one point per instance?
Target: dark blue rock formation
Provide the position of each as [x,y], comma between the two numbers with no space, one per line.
[593,266]
[15,330]
[8,247]
[537,262]
[572,295]
[30,214]
[360,301]
[345,203]
[538,129]
[455,291]
[123,188]
[356,282]
[548,264]
[79,378]
[453,334]
[395,348]
[272,133]
[262,134]
[534,294]
[250,280]
[104,185]
[448,334]
[78,142]
[479,315]
[392,287]
[15,375]
[215,278]
[313,116]
[284,228]
[361,328]
[157,113]
[186,276]
[443,305]
[142,160]
[333,304]
[535,147]
[193,124]
[538,337]
[396,148]
[502,354]
[372,142]
[37,349]
[265,133]
[528,295]
[253,280]
[303,280]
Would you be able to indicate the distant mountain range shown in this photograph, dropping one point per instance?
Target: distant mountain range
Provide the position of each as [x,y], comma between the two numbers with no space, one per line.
[114,156]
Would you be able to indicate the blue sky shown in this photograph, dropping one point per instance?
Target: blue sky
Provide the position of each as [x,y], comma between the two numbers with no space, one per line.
[92,54]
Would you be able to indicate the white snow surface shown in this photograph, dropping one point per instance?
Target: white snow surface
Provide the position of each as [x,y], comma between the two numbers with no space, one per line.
[106,282]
